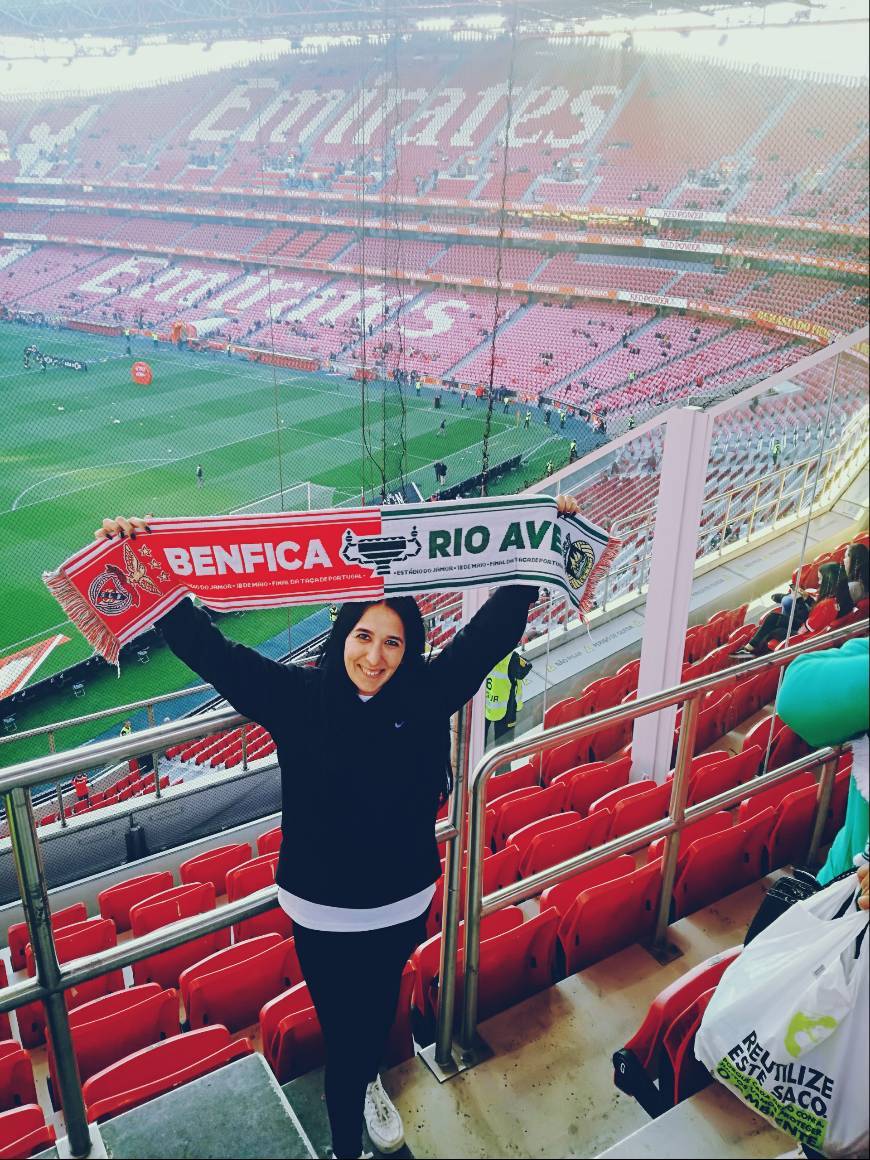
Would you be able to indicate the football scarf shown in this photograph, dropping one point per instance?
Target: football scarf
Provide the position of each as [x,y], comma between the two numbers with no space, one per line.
[113,590]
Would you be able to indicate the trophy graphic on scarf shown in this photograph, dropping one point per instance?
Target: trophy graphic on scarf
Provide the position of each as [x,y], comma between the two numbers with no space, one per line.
[379,552]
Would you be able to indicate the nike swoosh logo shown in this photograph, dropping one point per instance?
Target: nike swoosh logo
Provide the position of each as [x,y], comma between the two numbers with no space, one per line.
[399,724]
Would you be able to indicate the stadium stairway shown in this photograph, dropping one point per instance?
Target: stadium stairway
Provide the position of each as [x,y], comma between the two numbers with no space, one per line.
[517,314]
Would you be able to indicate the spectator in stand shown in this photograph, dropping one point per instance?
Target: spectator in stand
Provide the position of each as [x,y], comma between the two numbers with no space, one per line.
[834,599]
[364,746]
[794,608]
[857,565]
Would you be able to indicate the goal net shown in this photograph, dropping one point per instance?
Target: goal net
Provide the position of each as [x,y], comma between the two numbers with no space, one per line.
[300,497]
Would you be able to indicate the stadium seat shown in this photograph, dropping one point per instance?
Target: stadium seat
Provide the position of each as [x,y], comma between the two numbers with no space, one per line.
[494,811]
[116,901]
[498,870]
[501,783]
[692,832]
[163,909]
[590,783]
[719,776]
[525,836]
[160,1068]
[773,796]
[564,756]
[557,845]
[24,1132]
[16,1076]
[613,798]
[270,842]
[231,986]
[789,840]
[563,895]
[18,936]
[607,917]
[682,1075]
[114,1026]
[74,941]
[721,863]
[516,813]
[248,878]
[5,1025]
[212,866]
[638,1065]
[639,810]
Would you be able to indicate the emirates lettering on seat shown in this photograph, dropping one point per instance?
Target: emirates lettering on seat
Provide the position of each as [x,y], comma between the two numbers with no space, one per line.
[244,559]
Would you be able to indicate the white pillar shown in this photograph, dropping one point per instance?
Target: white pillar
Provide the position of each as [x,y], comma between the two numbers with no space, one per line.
[675,542]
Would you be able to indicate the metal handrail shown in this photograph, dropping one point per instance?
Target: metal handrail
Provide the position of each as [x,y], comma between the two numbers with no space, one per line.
[53,979]
[670,828]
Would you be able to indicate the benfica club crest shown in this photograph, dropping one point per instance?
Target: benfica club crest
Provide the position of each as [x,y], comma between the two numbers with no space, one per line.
[116,589]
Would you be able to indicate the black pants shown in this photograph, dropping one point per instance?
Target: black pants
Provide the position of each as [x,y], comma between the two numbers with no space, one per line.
[354,982]
[773,627]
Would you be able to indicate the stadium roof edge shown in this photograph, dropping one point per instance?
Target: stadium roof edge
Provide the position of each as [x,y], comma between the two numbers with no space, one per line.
[197,19]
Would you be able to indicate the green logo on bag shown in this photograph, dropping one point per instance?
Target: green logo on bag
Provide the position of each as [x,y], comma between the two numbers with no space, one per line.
[800,1037]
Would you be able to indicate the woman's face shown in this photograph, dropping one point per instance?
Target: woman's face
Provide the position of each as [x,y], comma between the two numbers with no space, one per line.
[374,648]
[847,561]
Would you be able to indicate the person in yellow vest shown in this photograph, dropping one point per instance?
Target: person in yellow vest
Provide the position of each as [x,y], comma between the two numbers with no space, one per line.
[504,694]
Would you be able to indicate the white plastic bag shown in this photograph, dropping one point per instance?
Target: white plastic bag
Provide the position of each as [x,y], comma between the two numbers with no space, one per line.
[787,1029]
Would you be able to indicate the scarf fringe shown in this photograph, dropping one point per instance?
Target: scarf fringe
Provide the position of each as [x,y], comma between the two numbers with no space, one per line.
[602,565]
[83,616]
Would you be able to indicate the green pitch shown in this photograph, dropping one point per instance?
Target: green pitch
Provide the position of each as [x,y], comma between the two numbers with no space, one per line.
[79,446]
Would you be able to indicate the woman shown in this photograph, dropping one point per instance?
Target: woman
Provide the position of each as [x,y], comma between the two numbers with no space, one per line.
[363,746]
[834,599]
[857,565]
[794,608]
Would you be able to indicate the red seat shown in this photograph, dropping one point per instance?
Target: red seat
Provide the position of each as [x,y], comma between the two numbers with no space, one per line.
[5,1025]
[160,1068]
[426,961]
[563,895]
[231,986]
[722,775]
[790,836]
[518,812]
[712,824]
[638,1065]
[590,783]
[114,1026]
[24,1132]
[293,1041]
[682,1074]
[605,918]
[248,878]
[611,800]
[212,866]
[515,962]
[116,901]
[499,870]
[523,837]
[567,774]
[73,942]
[501,783]
[291,1034]
[639,810]
[270,842]
[762,734]
[493,812]
[168,907]
[556,845]
[16,1076]
[18,936]
[722,863]
[773,797]
[563,756]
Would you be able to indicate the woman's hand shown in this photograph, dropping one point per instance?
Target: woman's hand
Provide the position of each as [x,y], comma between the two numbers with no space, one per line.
[122,527]
[567,505]
[864,883]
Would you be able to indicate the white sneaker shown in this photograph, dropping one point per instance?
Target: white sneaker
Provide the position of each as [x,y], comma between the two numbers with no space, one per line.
[383,1121]
[363,1155]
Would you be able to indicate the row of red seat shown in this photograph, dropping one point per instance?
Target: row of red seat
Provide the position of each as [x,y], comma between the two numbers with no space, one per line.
[137,787]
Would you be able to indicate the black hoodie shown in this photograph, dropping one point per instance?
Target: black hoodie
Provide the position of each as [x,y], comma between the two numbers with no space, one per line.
[360,780]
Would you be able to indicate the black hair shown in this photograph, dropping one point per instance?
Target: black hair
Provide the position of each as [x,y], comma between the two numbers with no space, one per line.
[859,564]
[349,615]
[833,583]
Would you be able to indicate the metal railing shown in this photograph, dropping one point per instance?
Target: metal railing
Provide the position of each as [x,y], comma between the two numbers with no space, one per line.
[691,692]
[53,979]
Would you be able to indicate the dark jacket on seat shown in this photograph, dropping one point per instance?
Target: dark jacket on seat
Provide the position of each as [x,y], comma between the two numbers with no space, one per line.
[360,780]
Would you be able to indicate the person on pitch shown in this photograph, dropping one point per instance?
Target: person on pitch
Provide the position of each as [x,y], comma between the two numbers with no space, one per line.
[363,744]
